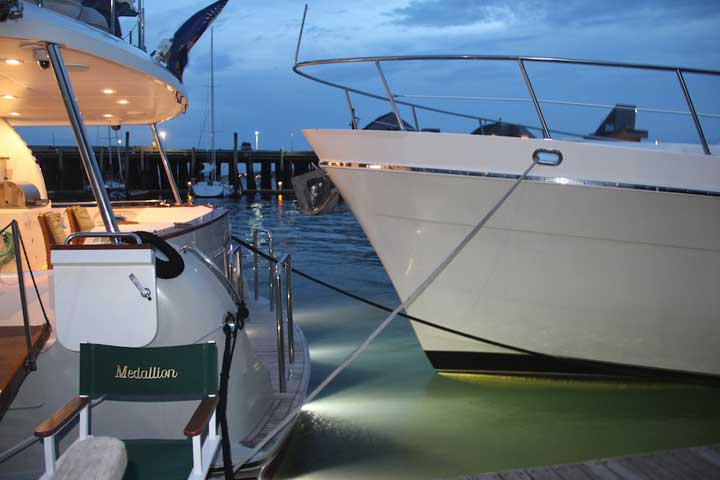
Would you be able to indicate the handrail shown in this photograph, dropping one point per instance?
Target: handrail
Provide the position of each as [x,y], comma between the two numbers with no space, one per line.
[256,232]
[276,299]
[235,271]
[279,325]
[110,235]
[520,60]
[210,265]
[23,299]
[286,262]
[119,203]
[30,362]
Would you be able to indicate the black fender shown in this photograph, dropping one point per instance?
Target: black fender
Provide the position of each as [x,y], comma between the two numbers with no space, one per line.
[166,269]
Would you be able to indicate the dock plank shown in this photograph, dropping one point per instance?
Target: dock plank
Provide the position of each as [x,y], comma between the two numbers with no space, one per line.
[686,463]
[599,470]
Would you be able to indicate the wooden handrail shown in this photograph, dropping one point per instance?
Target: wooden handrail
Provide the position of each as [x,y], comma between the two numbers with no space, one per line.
[58,419]
[201,417]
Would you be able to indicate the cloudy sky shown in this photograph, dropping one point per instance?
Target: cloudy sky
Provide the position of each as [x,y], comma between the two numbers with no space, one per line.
[255,43]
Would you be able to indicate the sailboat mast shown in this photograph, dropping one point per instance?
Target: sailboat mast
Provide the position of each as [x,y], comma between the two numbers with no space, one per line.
[212,98]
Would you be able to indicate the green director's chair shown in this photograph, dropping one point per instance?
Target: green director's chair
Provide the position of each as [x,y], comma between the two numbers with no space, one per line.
[139,374]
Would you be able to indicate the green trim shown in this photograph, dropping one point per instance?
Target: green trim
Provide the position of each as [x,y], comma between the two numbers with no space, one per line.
[158,459]
[186,371]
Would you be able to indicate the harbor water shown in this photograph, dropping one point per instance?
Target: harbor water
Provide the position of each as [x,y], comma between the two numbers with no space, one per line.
[390,415]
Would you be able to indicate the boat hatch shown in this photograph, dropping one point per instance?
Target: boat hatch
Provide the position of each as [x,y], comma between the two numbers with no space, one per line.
[105,294]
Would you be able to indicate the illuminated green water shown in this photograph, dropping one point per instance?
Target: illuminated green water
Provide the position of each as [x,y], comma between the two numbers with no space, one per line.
[391,416]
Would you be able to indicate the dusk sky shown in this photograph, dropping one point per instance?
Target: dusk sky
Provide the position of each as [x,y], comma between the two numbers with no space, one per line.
[255,43]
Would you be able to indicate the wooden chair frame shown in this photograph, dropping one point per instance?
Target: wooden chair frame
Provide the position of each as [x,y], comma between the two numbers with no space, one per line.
[203,452]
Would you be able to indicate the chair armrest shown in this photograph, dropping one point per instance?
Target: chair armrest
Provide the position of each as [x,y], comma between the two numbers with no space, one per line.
[58,419]
[201,417]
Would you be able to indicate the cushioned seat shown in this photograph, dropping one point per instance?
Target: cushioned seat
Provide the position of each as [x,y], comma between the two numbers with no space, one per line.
[53,231]
[102,458]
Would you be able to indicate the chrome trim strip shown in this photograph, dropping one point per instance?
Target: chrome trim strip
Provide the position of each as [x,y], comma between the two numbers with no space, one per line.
[513,176]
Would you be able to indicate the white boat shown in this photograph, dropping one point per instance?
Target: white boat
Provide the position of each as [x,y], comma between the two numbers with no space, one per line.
[605,260]
[113,293]
[210,186]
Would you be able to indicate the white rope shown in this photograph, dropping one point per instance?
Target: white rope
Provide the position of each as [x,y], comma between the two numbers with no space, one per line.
[410,299]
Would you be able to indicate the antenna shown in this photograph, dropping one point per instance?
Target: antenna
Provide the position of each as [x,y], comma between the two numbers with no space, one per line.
[302,27]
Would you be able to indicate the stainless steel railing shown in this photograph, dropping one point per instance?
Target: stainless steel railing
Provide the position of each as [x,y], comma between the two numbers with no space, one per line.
[281,301]
[214,269]
[393,97]
[256,232]
[18,248]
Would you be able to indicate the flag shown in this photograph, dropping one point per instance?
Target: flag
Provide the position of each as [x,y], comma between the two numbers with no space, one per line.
[188,34]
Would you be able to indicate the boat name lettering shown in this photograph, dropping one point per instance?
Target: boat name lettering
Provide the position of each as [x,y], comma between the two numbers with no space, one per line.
[152,373]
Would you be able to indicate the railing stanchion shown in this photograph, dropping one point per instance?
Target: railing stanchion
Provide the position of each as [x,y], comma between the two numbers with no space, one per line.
[255,264]
[286,263]
[237,265]
[694,114]
[280,329]
[166,165]
[546,132]
[257,231]
[272,286]
[353,123]
[390,97]
[30,363]
[417,124]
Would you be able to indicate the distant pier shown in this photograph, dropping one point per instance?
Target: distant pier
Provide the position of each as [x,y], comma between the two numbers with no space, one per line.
[139,168]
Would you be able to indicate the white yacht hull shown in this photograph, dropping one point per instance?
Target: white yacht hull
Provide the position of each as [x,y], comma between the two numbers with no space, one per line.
[576,270]
[205,189]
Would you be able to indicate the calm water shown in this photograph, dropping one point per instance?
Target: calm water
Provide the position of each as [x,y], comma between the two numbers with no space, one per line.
[391,416]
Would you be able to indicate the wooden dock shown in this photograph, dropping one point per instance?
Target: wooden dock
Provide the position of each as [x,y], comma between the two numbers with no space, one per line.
[266,170]
[696,463]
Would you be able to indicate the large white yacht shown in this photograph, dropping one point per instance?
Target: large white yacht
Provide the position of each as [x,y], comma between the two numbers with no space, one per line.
[604,260]
[62,65]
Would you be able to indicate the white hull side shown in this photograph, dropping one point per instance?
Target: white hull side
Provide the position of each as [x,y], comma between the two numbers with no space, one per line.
[610,274]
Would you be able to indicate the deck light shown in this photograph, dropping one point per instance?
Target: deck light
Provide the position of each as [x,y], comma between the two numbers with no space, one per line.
[9,97]
[107,115]
[163,134]
[14,114]
[108,91]
[123,101]
[12,61]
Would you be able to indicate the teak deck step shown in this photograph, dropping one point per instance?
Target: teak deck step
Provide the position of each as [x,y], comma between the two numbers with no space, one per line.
[265,344]
[684,463]
[13,355]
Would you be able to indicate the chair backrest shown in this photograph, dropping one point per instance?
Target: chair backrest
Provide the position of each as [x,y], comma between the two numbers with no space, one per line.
[186,371]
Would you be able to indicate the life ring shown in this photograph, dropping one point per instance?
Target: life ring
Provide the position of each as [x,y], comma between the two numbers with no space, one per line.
[165,269]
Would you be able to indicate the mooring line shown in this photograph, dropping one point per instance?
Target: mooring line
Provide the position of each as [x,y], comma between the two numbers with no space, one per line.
[410,299]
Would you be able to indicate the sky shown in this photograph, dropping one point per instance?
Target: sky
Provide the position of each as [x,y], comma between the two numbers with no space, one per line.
[256,88]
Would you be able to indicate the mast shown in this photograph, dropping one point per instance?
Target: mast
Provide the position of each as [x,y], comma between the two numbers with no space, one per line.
[212,101]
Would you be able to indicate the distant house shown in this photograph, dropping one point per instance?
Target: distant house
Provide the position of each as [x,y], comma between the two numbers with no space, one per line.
[387,122]
[503,129]
[620,124]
